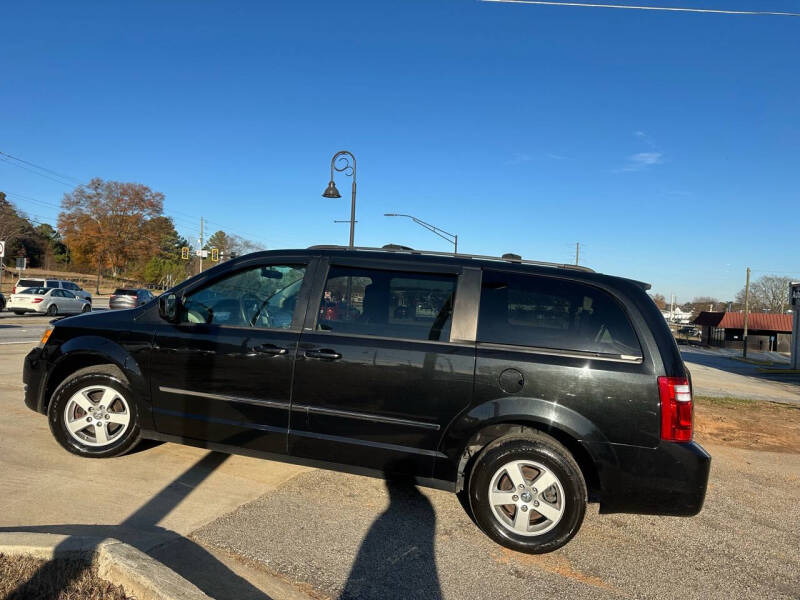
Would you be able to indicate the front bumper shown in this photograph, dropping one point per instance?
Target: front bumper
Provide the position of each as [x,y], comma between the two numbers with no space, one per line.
[670,479]
[34,373]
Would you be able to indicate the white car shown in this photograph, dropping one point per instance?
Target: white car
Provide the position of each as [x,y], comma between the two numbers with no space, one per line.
[70,286]
[49,301]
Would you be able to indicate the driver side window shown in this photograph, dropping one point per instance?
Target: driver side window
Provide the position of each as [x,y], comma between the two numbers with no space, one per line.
[263,296]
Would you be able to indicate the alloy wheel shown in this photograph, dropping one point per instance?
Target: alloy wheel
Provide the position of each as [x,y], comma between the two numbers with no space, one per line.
[526,497]
[97,416]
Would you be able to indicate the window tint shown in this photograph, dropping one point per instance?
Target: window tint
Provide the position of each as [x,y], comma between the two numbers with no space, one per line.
[525,310]
[30,283]
[70,286]
[124,292]
[52,283]
[388,303]
[247,298]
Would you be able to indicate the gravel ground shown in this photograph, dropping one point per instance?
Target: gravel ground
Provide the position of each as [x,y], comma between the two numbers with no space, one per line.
[349,537]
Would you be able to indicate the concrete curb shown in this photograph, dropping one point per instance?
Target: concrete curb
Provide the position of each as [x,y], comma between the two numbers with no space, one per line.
[140,575]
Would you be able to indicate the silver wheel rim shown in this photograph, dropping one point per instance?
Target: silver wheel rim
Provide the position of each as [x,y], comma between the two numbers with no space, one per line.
[97,416]
[526,497]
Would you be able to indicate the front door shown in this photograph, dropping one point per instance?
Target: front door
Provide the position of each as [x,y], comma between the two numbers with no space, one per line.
[223,372]
[377,379]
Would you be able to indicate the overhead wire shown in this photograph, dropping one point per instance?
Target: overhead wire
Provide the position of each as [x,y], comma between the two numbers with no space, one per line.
[652,8]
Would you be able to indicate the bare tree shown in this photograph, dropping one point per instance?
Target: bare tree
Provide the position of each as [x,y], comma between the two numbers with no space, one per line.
[769,293]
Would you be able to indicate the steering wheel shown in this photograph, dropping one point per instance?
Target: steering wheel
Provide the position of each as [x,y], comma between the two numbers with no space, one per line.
[248,307]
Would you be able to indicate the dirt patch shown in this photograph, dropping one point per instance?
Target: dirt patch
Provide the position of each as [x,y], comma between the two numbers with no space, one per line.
[26,578]
[553,563]
[749,424]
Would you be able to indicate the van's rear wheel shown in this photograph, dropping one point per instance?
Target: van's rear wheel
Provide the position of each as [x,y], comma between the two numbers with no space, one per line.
[527,493]
[93,413]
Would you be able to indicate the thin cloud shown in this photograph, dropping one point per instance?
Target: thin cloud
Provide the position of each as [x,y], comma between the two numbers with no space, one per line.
[642,161]
[519,158]
[555,156]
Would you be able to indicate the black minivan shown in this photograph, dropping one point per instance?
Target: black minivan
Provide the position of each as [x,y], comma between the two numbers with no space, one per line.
[527,388]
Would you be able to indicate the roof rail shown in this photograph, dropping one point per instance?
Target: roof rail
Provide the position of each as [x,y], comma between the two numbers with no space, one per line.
[506,258]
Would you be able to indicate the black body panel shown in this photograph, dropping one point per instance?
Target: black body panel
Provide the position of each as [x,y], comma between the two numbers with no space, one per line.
[388,404]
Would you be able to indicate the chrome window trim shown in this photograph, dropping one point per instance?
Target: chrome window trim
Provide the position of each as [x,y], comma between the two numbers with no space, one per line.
[620,358]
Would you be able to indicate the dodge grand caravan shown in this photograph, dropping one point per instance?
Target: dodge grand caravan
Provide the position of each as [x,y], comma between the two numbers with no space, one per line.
[527,388]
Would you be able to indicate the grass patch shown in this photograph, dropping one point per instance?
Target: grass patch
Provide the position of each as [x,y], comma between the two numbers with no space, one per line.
[27,578]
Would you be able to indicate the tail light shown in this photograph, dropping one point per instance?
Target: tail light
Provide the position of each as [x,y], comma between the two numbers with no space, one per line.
[676,408]
[37,300]
[14,290]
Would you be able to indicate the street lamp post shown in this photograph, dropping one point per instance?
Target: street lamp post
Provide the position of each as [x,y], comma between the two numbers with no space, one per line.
[341,163]
[450,237]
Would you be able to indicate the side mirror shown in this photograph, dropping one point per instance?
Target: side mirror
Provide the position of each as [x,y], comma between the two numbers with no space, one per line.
[168,307]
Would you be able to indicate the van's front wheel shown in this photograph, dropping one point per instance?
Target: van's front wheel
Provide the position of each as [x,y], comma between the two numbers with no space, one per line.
[93,413]
[527,493]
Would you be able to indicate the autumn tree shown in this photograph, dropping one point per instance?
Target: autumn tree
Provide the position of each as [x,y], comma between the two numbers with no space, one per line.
[769,293]
[660,301]
[701,303]
[104,223]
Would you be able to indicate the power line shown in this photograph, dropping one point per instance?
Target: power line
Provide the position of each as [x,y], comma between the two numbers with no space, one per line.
[15,161]
[27,162]
[5,160]
[655,8]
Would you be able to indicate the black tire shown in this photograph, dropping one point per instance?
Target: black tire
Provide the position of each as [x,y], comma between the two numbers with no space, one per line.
[86,308]
[52,310]
[18,312]
[538,448]
[108,376]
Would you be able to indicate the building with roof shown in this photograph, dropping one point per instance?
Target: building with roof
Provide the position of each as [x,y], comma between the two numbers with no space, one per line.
[765,331]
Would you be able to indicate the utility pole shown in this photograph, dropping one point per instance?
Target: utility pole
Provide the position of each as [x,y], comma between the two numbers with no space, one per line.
[746,311]
[201,245]
[577,253]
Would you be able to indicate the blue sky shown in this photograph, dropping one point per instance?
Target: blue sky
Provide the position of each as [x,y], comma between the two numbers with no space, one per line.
[667,144]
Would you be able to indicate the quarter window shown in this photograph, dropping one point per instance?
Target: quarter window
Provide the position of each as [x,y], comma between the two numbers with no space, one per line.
[262,297]
[545,312]
[388,303]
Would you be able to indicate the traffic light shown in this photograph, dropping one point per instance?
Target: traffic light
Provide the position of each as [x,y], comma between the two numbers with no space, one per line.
[185,253]
[215,254]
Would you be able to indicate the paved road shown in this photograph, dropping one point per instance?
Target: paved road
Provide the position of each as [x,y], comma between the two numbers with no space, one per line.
[29,327]
[153,498]
[716,374]
[350,537]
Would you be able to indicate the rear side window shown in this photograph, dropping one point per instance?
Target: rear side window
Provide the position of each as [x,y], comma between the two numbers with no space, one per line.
[544,312]
[395,304]
[30,283]
[53,283]
[68,285]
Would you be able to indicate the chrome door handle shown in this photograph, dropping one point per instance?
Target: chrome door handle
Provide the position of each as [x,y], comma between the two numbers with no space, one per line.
[324,353]
[269,349]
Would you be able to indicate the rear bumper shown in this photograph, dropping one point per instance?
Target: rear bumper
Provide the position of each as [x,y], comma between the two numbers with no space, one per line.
[668,480]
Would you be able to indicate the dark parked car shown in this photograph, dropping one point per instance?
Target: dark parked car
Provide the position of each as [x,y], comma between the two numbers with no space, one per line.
[2,302]
[527,388]
[129,298]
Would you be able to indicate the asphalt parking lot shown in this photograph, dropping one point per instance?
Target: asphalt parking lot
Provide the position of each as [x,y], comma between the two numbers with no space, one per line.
[241,528]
